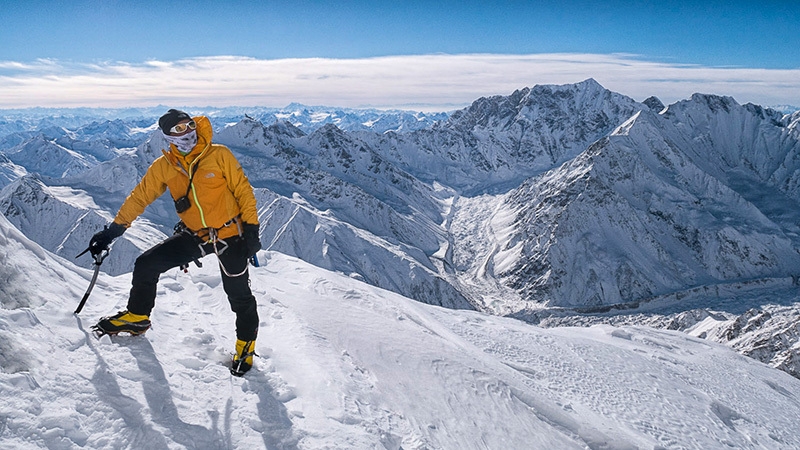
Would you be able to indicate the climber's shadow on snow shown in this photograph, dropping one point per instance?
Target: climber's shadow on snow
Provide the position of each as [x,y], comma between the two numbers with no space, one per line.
[142,434]
[277,426]
[159,398]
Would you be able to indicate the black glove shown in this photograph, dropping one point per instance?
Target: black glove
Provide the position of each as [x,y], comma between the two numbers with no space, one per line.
[252,241]
[102,239]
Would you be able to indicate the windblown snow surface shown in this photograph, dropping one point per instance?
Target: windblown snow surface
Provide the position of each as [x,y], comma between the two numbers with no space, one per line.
[344,365]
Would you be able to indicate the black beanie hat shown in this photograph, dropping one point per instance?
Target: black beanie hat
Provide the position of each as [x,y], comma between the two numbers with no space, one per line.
[172,118]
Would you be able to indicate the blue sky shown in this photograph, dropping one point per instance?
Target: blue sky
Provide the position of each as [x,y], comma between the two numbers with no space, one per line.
[432,55]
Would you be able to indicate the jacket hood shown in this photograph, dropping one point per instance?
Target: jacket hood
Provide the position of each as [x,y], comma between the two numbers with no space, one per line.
[204,134]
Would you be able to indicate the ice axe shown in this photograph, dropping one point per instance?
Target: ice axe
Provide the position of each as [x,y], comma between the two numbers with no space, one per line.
[98,259]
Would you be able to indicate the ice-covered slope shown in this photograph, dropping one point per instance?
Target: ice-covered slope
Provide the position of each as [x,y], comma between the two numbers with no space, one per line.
[9,171]
[297,230]
[63,219]
[345,365]
[736,143]
[653,208]
[49,158]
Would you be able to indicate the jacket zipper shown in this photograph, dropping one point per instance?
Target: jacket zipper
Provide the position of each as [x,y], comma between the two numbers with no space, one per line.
[194,163]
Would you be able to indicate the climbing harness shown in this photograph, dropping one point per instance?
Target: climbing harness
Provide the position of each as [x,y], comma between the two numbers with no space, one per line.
[212,237]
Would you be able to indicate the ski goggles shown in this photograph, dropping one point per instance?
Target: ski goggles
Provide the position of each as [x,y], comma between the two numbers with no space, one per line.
[182,127]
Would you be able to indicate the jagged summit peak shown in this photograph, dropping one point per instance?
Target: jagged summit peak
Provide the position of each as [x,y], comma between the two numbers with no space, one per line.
[654,103]
[582,99]
[587,84]
[284,127]
[250,120]
[711,102]
[588,88]
[329,128]
[524,94]
[715,102]
[329,133]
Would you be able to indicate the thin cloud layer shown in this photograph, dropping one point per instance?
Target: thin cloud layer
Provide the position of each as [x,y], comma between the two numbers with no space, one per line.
[425,82]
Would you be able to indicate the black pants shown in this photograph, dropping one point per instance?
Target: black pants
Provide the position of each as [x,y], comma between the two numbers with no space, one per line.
[183,248]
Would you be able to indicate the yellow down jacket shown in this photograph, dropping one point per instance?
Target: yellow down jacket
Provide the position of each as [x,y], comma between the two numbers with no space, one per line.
[220,191]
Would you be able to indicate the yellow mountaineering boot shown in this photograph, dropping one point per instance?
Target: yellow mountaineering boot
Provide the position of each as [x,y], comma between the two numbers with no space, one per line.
[122,322]
[243,359]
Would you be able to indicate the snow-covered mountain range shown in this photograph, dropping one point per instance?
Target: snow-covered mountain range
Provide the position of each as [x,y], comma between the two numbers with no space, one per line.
[555,204]
[87,121]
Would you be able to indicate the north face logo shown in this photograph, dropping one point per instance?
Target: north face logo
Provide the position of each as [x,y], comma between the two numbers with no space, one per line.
[210,175]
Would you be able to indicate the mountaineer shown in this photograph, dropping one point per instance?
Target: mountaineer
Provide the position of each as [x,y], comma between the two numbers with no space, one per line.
[217,208]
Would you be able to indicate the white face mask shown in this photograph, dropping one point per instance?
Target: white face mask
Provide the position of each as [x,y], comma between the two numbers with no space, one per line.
[184,143]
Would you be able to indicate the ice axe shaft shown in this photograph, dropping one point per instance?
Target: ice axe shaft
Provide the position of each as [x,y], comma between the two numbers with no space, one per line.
[98,259]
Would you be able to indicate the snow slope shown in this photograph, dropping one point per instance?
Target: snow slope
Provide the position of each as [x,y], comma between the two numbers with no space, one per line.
[347,365]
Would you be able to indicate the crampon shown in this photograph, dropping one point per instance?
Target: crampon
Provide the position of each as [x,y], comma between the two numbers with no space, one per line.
[122,322]
[99,332]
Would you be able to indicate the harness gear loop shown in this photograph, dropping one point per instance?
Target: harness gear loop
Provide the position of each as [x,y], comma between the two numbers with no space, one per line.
[213,238]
